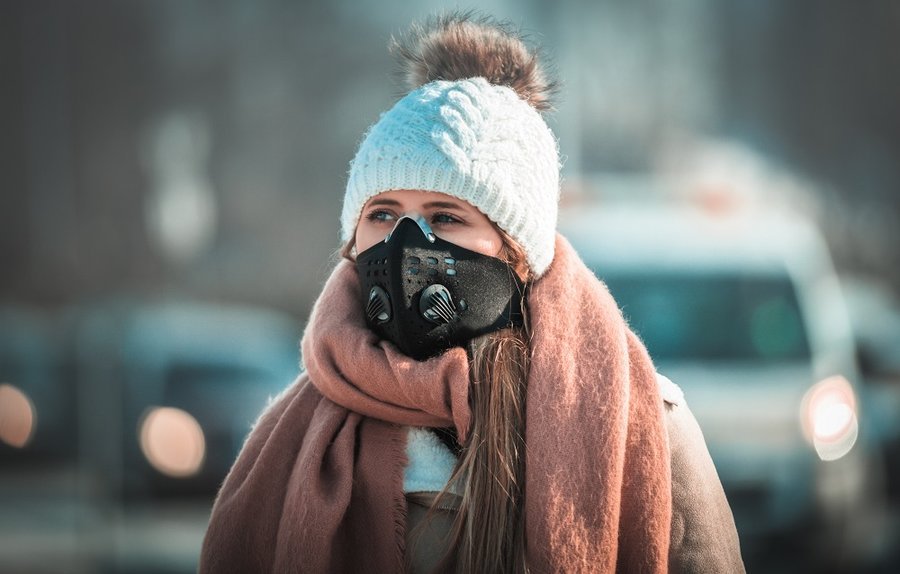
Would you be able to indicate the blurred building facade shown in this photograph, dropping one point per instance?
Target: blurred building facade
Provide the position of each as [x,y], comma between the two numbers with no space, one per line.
[202,147]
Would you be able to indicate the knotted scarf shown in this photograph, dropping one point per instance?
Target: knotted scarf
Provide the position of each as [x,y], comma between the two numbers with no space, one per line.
[317,486]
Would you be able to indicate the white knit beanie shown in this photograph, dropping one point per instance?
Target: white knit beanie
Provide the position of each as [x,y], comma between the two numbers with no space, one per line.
[473,140]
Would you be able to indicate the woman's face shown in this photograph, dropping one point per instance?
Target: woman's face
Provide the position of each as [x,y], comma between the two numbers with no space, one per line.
[451,219]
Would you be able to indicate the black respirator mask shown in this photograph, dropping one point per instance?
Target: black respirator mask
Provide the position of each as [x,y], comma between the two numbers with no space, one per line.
[427,295]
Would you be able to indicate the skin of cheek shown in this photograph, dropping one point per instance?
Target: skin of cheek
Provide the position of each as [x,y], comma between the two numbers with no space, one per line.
[366,236]
[485,244]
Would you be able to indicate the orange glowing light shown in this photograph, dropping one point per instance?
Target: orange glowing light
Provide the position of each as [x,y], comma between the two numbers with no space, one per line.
[173,441]
[17,416]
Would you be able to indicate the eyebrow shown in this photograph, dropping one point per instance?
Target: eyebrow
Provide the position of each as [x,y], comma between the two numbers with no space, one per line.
[430,204]
[445,204]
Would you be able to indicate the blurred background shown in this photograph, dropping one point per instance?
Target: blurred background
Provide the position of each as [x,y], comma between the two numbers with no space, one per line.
[171,174]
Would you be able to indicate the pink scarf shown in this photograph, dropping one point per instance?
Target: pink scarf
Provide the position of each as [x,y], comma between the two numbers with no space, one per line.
[318,484]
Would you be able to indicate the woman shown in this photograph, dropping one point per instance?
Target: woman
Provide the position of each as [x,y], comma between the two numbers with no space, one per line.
[472,399]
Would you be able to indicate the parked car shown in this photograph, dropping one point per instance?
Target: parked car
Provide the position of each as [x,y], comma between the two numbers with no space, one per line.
[183,382]
[37,423]
[745,313]
[135,411]
[39,485]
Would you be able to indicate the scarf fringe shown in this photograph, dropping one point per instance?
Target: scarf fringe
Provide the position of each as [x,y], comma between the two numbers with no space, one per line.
[400,510]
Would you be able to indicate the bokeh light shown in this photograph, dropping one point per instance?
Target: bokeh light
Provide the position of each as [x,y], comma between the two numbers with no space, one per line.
[173,441]
[17,416]
[829,417]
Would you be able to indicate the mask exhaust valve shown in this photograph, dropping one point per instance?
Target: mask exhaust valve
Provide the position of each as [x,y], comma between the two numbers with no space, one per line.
[437,305]
[378,308]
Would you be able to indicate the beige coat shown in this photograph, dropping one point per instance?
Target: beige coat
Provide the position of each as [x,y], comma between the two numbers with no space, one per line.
[704,538]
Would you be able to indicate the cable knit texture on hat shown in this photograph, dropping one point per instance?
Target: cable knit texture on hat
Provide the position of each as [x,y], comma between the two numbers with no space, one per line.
[475,141]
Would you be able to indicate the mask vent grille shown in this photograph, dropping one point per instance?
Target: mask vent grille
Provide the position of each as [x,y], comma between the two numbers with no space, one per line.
[378,308]
[437,305]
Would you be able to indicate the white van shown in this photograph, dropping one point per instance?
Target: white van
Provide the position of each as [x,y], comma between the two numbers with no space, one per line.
[744,312]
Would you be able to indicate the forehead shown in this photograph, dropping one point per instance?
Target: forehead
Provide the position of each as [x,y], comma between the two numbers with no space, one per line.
[410,198]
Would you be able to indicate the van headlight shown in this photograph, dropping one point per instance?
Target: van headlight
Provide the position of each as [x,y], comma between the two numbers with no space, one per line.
[829,417]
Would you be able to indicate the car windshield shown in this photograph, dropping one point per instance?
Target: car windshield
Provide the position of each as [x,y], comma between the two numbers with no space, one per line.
[697,316]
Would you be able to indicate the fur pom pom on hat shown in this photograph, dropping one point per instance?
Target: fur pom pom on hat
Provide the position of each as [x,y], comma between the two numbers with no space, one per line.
[472,131]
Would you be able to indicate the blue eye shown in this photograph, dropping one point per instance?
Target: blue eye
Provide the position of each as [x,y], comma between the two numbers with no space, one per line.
[444,218]
[380,215]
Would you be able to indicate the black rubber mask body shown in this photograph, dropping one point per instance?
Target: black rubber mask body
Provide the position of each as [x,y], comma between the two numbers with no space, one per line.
[426,295]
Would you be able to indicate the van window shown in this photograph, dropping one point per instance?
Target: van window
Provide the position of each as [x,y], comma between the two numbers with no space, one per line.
[695,316]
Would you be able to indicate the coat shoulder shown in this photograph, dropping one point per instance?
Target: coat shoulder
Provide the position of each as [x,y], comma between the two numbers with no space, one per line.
[703,536]
[670,392]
